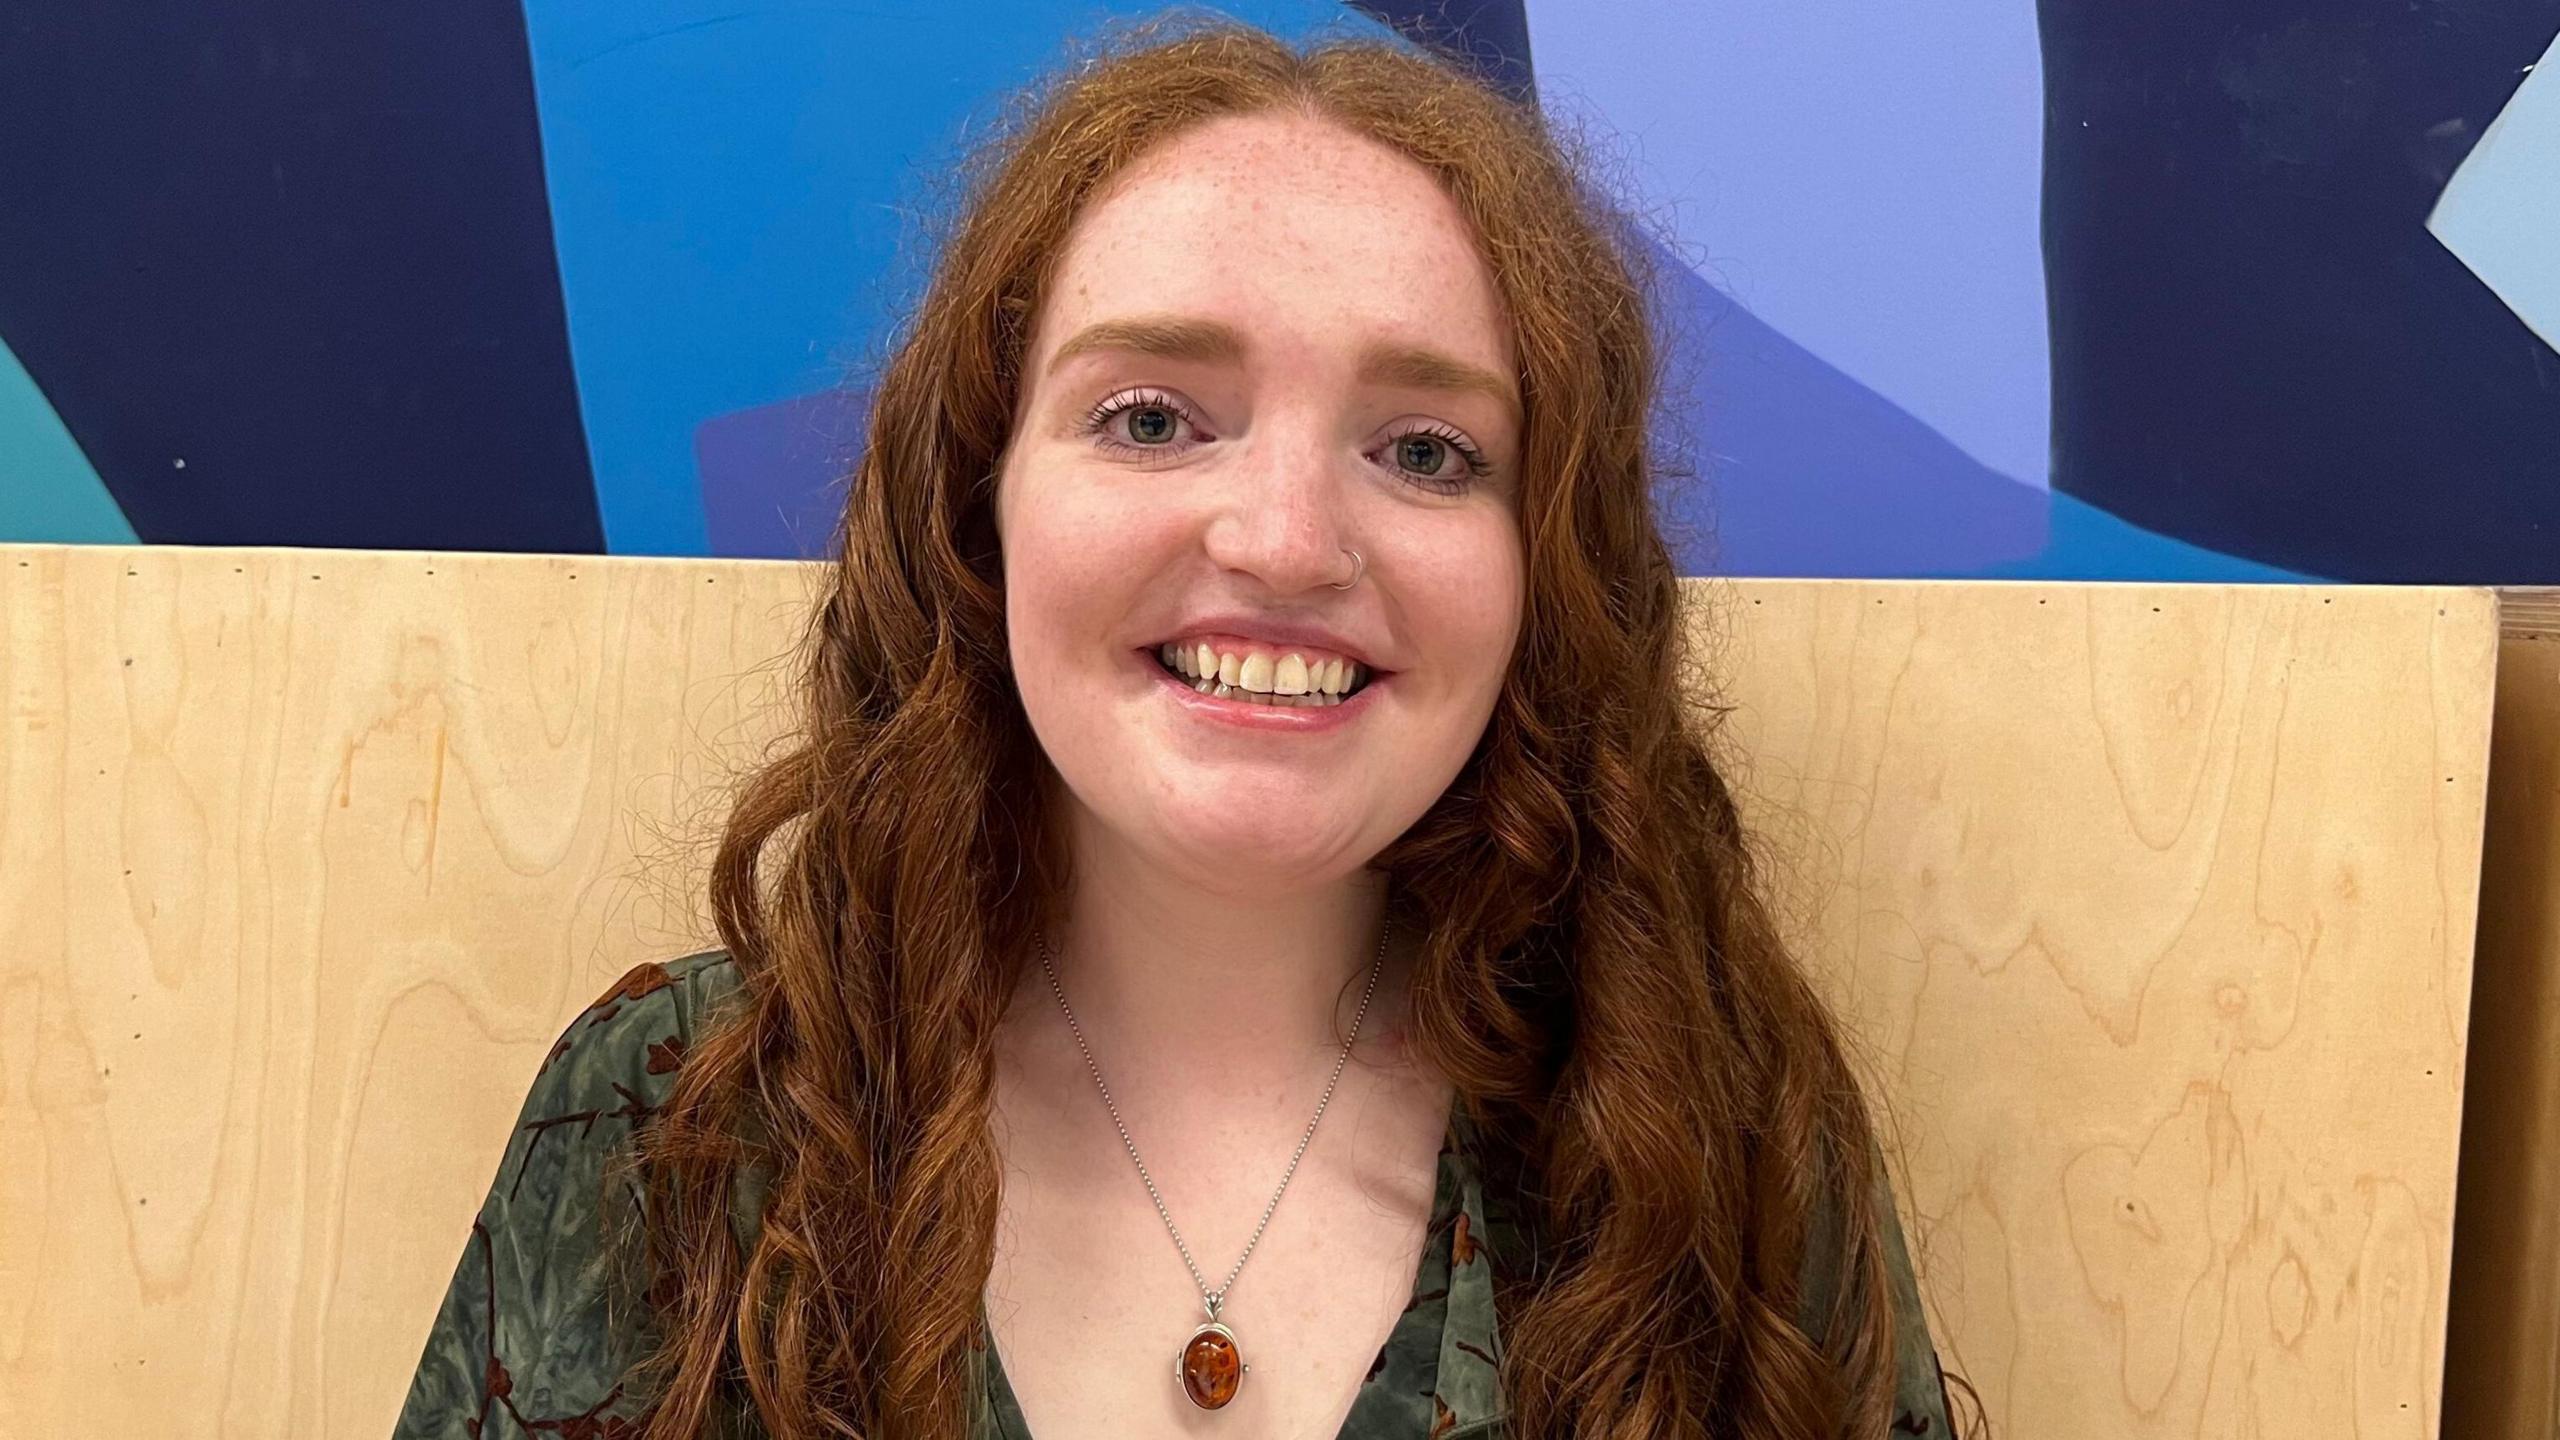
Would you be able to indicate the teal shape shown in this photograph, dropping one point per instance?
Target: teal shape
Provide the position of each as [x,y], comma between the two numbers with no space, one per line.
[49,493]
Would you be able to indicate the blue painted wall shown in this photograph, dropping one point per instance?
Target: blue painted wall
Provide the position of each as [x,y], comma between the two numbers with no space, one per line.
[1958,289]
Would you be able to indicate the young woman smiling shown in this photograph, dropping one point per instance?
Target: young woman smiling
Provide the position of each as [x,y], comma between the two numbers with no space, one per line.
[1250,941]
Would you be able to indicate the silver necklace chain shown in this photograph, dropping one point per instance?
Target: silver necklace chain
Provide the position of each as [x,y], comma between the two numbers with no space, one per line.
[1213,1299]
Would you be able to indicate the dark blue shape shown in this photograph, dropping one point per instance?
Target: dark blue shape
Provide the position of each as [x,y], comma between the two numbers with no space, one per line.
[1490,36]
[1807,472]
[304,248]
[2257,346]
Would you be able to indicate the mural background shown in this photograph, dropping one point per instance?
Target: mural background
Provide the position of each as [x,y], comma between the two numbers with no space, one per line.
[1961,287]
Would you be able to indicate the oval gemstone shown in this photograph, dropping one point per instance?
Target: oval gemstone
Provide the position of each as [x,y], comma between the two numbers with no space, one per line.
[1211,1369]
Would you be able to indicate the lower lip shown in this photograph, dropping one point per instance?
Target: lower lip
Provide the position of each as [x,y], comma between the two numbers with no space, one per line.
[1252,715]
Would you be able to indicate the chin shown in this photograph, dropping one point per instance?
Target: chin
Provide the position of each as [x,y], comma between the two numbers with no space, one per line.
[1222,850]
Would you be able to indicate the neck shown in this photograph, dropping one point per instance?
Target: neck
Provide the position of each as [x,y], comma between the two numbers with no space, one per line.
[1230,994]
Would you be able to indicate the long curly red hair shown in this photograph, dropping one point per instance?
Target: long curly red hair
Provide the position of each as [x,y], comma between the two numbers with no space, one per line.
[1656,1085]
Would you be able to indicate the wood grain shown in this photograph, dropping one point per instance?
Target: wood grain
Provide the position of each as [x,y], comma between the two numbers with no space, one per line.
[305,858]
[2152,909]
[2503,1330]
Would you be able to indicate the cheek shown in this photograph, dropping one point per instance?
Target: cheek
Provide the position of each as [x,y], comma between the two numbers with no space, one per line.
[1073,570]
[1476,592]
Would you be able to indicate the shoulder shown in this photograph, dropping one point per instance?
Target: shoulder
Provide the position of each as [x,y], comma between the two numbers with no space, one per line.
[615,1062]
[612,1070]
[612,1067]
[638,1031]
[528,1329]
[609,1072]
[1920,1397]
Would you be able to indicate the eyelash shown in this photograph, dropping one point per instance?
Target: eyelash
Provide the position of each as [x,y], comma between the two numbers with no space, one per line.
[1101,416]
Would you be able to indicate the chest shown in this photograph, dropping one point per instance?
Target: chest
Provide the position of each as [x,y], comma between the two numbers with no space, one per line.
[1090,1302]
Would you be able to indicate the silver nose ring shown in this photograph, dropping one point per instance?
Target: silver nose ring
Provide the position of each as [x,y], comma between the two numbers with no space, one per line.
[1358,566]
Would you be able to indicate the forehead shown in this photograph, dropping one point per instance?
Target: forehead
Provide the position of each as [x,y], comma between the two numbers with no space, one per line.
[1298,231]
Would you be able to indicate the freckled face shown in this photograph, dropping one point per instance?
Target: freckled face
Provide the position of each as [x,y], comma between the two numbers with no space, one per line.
[1157,475]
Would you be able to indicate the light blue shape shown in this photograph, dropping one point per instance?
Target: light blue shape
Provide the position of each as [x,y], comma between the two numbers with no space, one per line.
[2087,543]
[49,494]
[1865,176]
[2500,214]
[727,186]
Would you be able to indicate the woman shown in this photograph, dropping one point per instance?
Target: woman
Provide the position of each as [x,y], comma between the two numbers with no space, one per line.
[1249,941]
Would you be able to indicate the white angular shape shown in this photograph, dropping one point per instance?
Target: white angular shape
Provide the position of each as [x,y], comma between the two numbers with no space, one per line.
[1255,673]
[2499,212]
[1289,677]
[1204,661]
[1228,665]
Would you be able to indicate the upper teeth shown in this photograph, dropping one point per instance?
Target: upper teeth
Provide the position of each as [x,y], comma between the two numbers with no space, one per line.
[1263,672]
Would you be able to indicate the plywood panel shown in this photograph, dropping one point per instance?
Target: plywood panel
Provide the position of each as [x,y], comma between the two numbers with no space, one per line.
[2152,908]
[2503,1337]
[304,858]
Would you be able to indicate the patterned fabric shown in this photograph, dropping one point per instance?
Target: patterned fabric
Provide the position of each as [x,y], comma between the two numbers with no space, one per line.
[525,1345]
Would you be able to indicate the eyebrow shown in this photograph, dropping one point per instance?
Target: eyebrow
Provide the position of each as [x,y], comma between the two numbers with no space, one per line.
[1182,337]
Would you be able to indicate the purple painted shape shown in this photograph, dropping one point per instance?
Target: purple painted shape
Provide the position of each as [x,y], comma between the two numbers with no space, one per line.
[1804,471]
[1866,175]
[773,477]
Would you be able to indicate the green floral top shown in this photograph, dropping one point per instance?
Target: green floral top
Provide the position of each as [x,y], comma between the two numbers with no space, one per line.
[522,1346]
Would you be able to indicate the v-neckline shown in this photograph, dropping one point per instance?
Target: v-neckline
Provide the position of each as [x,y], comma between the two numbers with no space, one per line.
[1396,1384]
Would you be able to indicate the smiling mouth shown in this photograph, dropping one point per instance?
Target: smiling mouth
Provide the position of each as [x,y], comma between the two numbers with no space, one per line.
[1222,690]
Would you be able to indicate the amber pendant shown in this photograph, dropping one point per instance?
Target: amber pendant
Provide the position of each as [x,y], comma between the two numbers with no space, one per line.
[1210,1368]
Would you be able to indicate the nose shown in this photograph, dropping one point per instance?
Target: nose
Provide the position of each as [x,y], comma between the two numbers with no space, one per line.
[1279,517]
